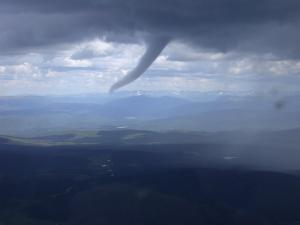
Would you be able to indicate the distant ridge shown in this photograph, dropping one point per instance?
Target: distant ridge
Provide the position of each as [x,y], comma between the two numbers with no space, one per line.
[4,140]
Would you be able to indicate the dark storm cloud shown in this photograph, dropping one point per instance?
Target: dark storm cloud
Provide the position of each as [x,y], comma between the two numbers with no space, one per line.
[262,26]
[240,26]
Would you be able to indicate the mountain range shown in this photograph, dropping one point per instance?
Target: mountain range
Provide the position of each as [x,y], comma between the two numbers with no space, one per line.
[36,114]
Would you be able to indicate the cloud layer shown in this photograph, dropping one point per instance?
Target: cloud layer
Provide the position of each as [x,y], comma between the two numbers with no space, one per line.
[262,26]
[209,38]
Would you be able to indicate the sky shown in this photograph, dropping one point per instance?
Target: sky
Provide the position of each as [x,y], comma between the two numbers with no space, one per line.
[86,46]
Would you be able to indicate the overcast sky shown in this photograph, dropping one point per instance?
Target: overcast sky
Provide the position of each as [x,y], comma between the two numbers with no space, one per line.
[80,46]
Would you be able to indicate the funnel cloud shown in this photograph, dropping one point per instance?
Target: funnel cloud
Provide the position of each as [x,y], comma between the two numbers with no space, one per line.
[154,48]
